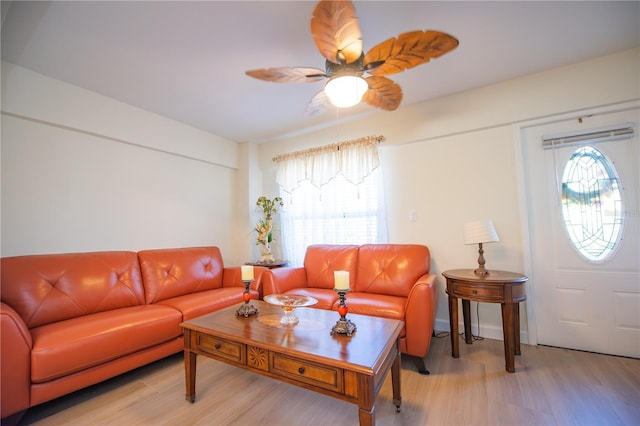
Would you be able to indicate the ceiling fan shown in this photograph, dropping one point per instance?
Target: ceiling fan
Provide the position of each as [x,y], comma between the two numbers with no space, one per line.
[336,32]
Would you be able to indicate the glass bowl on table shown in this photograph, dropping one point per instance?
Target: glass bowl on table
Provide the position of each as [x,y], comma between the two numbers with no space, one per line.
[288,303]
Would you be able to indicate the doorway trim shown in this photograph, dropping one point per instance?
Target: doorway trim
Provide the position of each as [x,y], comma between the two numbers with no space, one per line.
[519,129]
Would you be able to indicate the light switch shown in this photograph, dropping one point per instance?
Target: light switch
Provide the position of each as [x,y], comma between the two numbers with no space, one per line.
[412,216]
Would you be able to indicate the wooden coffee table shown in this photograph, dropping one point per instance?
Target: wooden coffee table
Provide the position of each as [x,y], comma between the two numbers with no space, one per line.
[307,355]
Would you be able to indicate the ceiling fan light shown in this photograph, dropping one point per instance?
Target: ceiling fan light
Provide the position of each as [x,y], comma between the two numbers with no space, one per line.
[346,91]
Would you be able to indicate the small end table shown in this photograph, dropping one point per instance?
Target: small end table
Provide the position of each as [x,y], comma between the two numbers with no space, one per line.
[506,288]
[270,265]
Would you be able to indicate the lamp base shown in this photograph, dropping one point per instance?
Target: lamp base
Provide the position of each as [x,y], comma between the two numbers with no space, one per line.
[481,271]
[344,326]
[246,309]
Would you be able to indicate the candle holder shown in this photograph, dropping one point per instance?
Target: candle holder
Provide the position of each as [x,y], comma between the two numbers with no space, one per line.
[343,325]
[246,308]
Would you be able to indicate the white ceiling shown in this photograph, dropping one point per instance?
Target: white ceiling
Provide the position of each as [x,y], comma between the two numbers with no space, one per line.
[186,60]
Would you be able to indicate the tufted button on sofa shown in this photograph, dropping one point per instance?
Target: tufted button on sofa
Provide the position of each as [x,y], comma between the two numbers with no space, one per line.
[72,320]
[386,280]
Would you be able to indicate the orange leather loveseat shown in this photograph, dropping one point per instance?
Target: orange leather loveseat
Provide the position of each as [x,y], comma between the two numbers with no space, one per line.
[72,320]
[386,280]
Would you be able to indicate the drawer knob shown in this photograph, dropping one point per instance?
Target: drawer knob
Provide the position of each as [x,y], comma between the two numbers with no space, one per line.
[217,346]
[301,370]
[474,291]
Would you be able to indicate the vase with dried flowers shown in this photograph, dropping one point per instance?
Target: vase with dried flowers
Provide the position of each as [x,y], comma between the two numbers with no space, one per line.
[264,227]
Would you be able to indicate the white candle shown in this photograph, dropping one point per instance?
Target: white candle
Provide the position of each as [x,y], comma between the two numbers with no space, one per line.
[341,279]
[247,272]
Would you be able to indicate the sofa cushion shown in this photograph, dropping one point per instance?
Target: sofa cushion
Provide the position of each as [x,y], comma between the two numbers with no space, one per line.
[378,305]
[169,273]
[390,269]
[44,289]
[66,347]
[205,302]
[322,260]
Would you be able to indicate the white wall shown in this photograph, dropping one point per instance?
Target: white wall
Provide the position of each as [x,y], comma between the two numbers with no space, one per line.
[82,172]
[453,159]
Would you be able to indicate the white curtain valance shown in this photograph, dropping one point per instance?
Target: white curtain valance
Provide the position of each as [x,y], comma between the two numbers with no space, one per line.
[354,159]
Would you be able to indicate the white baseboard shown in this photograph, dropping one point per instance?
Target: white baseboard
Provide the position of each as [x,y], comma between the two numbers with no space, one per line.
[487,331]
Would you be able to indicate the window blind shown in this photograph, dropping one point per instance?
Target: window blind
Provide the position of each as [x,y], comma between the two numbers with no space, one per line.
[603,134]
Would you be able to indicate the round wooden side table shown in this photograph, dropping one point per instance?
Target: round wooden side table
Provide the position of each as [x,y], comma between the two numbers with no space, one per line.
[506,288]
[270,265]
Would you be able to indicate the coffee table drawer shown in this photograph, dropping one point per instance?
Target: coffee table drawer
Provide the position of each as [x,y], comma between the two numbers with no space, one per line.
[221,348]
[307,372]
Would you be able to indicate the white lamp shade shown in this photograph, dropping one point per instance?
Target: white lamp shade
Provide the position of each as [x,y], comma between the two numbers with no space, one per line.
[480,231]
[346,91]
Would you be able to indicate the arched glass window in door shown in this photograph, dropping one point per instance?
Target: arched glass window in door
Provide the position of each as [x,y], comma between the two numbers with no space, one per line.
[592,209]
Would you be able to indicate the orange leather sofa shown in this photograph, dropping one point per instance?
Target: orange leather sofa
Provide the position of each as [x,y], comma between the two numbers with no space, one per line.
[72,320]
[386,280]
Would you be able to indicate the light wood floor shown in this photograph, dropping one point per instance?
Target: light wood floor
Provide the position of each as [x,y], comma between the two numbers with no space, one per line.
[551,386]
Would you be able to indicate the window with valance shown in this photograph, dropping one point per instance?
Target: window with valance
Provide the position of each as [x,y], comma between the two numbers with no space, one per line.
[333,195]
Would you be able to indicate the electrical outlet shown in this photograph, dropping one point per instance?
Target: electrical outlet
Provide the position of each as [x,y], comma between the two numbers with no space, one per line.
[412,216]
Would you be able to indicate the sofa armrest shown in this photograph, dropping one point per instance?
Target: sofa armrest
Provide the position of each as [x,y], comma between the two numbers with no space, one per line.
[421,314]
[15,364]
[232,277]
[281,280]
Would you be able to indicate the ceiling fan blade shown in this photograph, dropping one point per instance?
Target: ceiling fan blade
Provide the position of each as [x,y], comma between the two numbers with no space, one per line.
[318,104]
[383,93]
[407,51]
[336,31]
[288,74]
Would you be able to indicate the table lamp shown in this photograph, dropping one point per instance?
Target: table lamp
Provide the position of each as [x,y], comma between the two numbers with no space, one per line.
[480,232]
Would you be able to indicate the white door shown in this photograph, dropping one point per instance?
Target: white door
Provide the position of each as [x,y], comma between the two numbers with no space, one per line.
[591,305]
